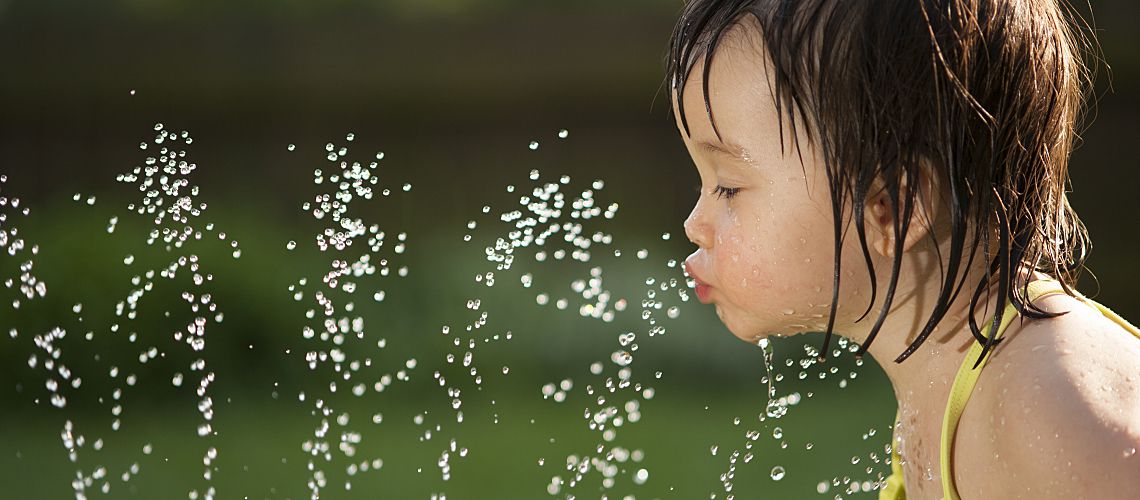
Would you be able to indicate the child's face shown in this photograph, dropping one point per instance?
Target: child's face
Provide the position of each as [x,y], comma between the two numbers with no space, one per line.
[765,255]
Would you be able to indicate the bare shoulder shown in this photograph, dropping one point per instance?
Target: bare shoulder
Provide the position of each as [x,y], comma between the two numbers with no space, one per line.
[1063,403]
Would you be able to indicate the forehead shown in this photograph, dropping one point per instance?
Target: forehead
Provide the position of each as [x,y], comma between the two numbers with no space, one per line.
[738,84]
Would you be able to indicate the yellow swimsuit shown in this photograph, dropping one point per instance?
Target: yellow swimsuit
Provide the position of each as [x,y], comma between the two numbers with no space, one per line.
[964,384]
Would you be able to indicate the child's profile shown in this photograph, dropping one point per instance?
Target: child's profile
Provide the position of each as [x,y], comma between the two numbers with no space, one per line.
[895,172]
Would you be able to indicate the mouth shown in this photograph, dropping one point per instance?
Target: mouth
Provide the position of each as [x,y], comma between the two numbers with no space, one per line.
[702,289]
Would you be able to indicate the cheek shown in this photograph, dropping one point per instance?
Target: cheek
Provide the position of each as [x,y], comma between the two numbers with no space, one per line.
[775,256]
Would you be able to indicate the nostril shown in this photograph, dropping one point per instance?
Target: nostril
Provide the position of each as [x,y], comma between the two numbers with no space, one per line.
[696,232]
[691,234]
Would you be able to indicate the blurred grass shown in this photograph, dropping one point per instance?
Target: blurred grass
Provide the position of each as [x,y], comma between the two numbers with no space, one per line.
[260,456]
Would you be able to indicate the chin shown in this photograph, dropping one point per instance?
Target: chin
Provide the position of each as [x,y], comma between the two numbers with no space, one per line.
[747,331]
[752,330]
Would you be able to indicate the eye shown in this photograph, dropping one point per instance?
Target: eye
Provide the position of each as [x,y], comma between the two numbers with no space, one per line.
[725,192]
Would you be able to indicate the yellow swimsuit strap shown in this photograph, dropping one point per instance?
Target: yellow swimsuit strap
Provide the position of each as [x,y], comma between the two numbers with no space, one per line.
[968,377]
[965,381]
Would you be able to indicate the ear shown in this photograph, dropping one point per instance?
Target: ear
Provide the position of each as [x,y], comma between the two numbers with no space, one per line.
[879,218]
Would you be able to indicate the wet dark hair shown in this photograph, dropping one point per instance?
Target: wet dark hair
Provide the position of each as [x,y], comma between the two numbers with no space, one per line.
[985,94]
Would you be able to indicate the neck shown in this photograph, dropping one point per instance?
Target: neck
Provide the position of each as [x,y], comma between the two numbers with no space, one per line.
[922,382]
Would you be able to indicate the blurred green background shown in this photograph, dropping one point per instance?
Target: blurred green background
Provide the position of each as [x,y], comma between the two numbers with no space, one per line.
[452,91]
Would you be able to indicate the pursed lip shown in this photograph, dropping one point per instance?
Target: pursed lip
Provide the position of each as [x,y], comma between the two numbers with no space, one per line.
[702,289]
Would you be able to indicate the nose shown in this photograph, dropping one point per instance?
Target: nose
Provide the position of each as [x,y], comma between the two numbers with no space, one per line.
[697,228]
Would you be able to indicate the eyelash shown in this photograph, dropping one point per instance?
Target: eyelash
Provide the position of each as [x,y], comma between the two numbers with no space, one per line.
[725,192]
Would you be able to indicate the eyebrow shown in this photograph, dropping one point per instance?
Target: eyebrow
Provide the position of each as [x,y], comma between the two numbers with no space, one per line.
[726,149]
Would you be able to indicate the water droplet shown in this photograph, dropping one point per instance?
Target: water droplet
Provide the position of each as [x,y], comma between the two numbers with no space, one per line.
[533,145]
[775,409]
[407,187]
[777,473]
[642,475]
[622,358]
[291,245]
[291,147]
[562,134]
[777,433]
[128,260]
[626,339]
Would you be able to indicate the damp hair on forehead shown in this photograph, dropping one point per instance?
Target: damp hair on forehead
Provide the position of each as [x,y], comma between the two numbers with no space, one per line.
[983,95]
